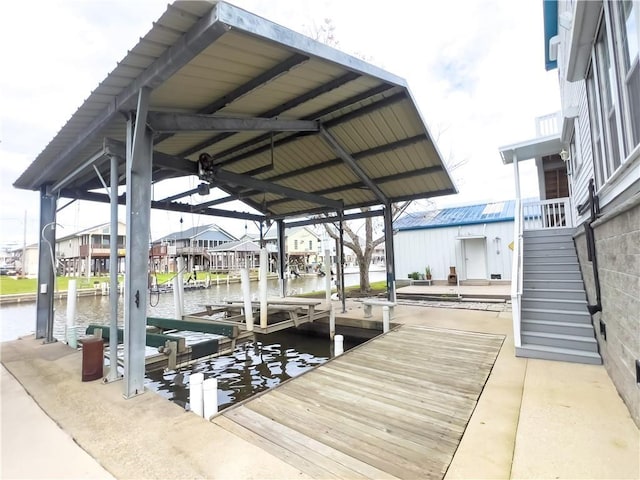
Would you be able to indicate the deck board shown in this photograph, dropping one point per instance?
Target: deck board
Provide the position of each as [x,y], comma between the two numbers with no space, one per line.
[395,407]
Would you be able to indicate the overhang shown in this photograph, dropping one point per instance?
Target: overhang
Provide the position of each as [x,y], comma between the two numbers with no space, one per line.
[290,126]
[535,148]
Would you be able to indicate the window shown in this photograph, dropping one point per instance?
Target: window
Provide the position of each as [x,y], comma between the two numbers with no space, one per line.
[628,14]
[613,88]
[295,245]
[310,244]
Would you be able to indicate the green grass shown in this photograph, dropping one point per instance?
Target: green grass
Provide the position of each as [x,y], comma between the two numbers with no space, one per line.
[15,285]
[353,291]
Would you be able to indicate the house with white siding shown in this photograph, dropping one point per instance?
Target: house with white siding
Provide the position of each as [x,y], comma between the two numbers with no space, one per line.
[577,259]
[471,242]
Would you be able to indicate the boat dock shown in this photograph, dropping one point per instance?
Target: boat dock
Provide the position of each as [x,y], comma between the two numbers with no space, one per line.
[381,410]
[393,408]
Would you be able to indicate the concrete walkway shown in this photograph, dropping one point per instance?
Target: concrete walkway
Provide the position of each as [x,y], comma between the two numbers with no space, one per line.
[534,419]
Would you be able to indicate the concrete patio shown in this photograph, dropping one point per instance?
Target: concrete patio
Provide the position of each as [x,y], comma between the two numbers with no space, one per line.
[534,419]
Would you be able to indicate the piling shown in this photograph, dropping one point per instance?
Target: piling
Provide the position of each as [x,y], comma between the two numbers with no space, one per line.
[72,298]
[338,345]
[263,288]
[246,295]
[196,393]
[210,395]
[332,322]
[385,319]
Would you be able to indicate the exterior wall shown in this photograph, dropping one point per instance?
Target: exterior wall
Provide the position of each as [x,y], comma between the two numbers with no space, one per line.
[439,248]
[618,254]
[303,237]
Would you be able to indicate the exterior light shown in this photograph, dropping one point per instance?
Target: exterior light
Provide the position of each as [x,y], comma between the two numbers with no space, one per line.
[564,155]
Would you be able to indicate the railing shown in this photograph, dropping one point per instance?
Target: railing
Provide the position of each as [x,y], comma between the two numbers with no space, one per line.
[548,125]
[543,214]
[516,272]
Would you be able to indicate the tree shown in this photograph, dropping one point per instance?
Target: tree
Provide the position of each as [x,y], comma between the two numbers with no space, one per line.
[364,253]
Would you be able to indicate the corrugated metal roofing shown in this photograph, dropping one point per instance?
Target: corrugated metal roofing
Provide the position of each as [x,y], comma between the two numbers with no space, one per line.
[457,216]
[202,232]
[216,59]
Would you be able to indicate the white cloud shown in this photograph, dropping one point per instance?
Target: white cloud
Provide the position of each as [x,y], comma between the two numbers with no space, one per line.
[475,68]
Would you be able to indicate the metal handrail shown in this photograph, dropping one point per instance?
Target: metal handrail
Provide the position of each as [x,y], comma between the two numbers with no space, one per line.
[516,272]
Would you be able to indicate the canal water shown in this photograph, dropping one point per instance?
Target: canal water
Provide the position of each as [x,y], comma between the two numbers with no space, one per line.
[251,368]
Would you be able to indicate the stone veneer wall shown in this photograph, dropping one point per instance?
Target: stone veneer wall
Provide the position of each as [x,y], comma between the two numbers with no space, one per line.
[618,253]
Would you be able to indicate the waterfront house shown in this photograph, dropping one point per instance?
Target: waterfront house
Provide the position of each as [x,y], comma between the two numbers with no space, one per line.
[192,244]
[586,229]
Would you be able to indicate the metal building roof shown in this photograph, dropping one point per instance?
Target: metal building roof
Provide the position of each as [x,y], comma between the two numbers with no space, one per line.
[356,137]
[202,232]
[458,216]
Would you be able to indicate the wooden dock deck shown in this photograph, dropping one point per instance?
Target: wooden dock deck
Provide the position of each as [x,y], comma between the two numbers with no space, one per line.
[395,407]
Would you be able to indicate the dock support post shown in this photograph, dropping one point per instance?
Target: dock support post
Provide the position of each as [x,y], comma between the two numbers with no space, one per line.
[46,267]
[338,345]
[385,319]
[332,322]
[263,288]
[176,298]
[181,286]
[327,270]
[389,253]
[138,199]
[282,261]
[72,298]
[195,393]
[113,271]
[210,394]
[246,296]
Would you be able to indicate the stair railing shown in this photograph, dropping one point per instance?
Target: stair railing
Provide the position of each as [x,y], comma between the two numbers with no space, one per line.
[544,214]
[516,272]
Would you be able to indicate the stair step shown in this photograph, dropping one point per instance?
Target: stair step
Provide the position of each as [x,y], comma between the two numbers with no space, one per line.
[554,304]
[551,315]
[550,232]
[553,283]
[559,354]
[542,256]
[547,275]
[549,246]
[562,328]
[560,266]
[561,340]
[554,293]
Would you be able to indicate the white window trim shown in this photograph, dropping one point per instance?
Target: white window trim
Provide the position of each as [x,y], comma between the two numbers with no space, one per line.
[627,174]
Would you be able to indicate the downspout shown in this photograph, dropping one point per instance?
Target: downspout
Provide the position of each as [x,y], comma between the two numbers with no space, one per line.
[594,207]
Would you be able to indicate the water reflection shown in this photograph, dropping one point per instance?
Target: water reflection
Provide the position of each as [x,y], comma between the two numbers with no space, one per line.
[252,368]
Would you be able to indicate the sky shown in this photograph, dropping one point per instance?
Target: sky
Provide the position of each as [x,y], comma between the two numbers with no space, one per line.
[474,67]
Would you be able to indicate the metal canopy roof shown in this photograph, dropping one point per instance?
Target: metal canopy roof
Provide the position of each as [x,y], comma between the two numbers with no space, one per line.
[290,126]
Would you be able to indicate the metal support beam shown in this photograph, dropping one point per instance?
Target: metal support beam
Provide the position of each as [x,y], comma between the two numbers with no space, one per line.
[282,261]
[192,122]
[340,264]
[389,253]
[223,176]
[178,195]
[350,161]
[333,219]
[113,273]
[139,163]
[80,170]
[46,266]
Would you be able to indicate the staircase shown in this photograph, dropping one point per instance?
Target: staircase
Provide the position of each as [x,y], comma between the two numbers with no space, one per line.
[555,322]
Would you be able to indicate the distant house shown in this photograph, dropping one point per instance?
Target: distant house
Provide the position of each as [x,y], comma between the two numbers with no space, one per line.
[473,240]
[303,246]
[232,256]
[589,226]
[192,244]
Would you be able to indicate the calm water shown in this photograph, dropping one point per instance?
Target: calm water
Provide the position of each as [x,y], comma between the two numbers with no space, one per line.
[250,369]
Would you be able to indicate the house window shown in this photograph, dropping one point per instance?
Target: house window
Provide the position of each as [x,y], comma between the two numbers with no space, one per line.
[295,245]
[310,244]
[628,23]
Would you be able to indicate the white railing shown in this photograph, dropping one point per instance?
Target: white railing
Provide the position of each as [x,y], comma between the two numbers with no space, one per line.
[548,125]
[516,272]
[543,214]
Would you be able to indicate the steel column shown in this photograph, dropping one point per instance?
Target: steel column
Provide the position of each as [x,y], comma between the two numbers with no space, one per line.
[138,171]
[340,266]
[282,264]
[389,253]
[113,273]
[46,266]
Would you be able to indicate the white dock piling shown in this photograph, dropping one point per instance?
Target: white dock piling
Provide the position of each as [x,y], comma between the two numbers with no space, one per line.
[332,322]
[196,393]
[338,345]
[176,298]
[103,288]
[327,271]
[246,295]
[181,285]
[210,394]
[263,287]
[385,319]
[72,298]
